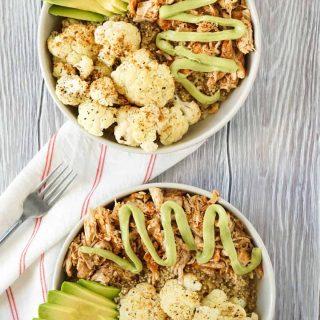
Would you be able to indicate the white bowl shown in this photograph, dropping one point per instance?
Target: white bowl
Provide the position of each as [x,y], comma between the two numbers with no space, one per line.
[266,286]
[198,132]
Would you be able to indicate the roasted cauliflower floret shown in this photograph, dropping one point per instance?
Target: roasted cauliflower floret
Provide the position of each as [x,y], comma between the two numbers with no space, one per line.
[59,45]
[172,125]
[191,282]
[137,127]
[229,310]
[206,313]
[75,37]
[141,302]
[83,39]
[174,122]
[83,63]
[143,80]
[118,39]
[103,91]
[61,68]
[75,45]
[85,66]
[214,298]
[239,301]
[177,302]
[190,110]
[217,299]
[95,118]
[71,90]
[100,70]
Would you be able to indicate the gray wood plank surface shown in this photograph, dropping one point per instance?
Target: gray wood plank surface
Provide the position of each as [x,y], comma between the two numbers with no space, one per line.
[265,161]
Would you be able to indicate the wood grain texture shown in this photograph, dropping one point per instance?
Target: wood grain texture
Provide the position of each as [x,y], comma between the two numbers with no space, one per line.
[265,161]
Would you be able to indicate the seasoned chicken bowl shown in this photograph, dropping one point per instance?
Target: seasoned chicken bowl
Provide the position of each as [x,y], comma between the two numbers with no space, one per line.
[173,252]
[159,77]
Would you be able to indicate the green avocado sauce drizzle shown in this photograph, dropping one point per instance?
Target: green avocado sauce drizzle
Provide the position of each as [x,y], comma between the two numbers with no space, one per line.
[189,60]
[134,264]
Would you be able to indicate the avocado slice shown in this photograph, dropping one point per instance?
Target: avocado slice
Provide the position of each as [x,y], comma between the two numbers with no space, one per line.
[75,13]
[38,319]
[116,6]
[92,5]
[106,291]
[81,292]
[84,308]
[51,311]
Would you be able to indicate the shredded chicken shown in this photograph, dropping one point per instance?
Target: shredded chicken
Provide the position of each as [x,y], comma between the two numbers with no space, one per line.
[235,49]
[147,11]
[245,44]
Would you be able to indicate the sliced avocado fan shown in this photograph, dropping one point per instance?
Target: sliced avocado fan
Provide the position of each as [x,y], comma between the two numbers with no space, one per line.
[106,8]
[114,6]
[92,6]
[76,14]
[106,291]
[81,292]
[54,311]
[83,306]
[77,302]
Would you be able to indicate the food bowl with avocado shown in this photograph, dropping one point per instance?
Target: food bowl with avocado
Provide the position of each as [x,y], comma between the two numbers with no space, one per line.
[150,77]
[168,251]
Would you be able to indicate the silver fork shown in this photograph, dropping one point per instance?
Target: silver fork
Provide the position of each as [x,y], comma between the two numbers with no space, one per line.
[46,194]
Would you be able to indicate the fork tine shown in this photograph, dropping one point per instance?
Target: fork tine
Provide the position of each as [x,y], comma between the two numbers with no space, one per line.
[51,183]
[41,184]
[65,187]
[48,193]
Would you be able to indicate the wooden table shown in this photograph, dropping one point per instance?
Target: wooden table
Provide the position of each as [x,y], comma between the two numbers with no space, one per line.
[265,161]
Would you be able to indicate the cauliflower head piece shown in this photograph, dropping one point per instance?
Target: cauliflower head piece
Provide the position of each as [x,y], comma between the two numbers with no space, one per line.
[229,310]
[177,302]
[206,313]
[118,39]
[100,70]
[214,298]
[95,118]
[76,46]
[61,68]
[71,90]
[143,80]
[217,299]
[190,110]
[141,302]
[85,66]
[103,91]
[137,127]
[174,122]
[191,282]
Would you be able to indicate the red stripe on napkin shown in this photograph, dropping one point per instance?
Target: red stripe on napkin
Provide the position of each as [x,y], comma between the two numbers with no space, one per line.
[44,289]
[97,180]
[38,221]
[12,304]
[150,168]
[145,179]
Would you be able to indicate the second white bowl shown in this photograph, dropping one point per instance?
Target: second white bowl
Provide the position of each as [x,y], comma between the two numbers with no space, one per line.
[266,286]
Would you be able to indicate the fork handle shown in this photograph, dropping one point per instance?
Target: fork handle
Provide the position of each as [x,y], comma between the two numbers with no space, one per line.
[6,234]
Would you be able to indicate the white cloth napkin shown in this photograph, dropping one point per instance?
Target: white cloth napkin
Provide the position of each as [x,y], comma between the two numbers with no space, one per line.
[28,257]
